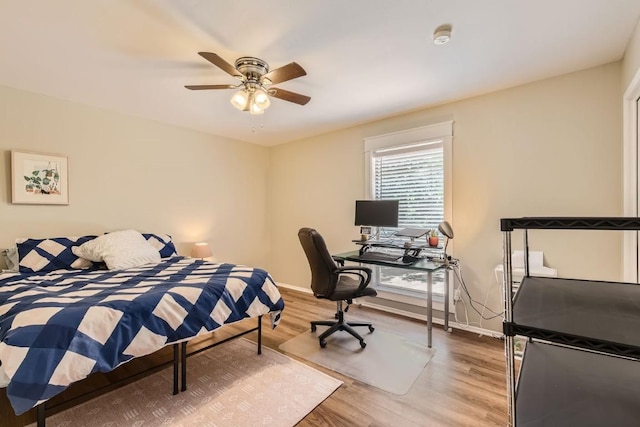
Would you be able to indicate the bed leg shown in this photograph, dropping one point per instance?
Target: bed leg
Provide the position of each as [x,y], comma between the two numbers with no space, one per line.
[175,369]
[41,417]
[259,334]
[184,366]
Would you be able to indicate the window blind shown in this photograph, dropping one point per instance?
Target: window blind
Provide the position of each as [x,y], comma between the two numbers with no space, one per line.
[415,177]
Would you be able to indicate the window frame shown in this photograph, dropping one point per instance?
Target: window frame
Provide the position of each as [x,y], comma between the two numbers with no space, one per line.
[435,133]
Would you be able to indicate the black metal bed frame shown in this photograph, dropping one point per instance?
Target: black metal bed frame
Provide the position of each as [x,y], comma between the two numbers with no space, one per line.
[179,358]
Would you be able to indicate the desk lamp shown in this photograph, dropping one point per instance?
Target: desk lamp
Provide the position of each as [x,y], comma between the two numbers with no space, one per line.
[200,250]
[445,229]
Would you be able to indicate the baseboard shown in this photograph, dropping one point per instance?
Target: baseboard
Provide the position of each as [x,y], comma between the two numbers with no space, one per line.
[294,288]
[437,321]
[456,325]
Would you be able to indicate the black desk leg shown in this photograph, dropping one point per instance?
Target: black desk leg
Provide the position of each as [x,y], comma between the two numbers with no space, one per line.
[40,412]
[259,334]
[175,369]
[184,366]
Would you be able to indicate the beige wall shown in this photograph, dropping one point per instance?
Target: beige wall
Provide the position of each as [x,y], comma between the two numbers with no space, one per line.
[549,148]
[631,62]
[546,148]
[134,173]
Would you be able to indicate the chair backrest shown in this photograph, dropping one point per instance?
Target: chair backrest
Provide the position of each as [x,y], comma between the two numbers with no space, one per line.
[324,274]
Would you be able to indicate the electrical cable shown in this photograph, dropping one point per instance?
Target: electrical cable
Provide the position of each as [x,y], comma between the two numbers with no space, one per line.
[486,296]
[467,324]
[458,272]
[466,315]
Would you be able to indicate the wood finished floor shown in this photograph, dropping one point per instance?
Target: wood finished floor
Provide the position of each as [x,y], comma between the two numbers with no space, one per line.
[463,385]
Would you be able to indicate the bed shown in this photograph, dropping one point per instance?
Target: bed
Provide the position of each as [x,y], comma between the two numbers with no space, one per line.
[58,327]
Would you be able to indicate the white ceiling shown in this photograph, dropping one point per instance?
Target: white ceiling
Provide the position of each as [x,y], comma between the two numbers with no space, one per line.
[365,59]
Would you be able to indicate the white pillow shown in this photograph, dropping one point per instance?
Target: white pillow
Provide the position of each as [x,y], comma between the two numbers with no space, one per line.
[119,250]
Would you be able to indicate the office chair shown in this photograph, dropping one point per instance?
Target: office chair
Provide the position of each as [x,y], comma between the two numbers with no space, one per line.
[333,282]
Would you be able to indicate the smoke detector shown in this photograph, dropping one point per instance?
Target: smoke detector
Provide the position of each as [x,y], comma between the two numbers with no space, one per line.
[442,34]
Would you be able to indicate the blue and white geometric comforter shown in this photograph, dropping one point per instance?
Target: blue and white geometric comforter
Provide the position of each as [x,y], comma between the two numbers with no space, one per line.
[58,328]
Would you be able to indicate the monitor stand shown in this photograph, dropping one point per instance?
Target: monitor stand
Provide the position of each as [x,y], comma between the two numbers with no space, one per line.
[414,233]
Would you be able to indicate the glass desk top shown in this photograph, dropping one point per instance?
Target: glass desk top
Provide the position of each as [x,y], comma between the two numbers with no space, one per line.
[422,265]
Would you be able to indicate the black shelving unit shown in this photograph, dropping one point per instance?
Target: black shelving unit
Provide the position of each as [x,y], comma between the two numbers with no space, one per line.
[581,365]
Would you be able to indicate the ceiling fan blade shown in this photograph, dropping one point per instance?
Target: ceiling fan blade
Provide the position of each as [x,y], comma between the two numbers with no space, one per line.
[289,96]
[205,87]
[284,73]
[220,63]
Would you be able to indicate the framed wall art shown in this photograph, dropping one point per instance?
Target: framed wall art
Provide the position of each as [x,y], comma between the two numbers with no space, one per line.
[39,178]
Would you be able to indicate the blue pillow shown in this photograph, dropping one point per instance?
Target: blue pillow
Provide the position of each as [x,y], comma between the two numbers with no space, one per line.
[44,255]
[163,243]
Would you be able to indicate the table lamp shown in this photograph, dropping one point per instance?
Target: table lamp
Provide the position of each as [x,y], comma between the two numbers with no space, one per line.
[200,250]
[445,228]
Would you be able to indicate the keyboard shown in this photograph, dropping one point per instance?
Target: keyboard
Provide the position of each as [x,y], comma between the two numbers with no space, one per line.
[380,256]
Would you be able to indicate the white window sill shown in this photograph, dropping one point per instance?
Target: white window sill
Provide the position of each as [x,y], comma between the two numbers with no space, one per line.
[415,298]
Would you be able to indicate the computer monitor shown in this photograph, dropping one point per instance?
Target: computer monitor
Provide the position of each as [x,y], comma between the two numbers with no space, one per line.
[377,213]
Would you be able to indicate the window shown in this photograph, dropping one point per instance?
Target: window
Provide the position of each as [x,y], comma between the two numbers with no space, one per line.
[415,176]
[413,167]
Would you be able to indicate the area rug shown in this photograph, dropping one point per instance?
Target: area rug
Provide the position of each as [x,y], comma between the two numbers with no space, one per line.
[229,385]
[390,361]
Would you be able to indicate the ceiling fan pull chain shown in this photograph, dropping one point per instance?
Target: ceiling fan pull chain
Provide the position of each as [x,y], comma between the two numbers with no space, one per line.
[254,119]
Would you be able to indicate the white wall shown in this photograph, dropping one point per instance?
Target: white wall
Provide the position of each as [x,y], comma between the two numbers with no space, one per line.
[133,173]
[549,148]
[631,61]
[630,93]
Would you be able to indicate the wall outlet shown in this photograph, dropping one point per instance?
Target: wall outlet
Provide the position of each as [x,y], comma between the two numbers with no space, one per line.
[456,295]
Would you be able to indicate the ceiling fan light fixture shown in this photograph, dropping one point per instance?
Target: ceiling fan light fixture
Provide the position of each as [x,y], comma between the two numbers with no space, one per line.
[254,108]
[240,99]
[261,98]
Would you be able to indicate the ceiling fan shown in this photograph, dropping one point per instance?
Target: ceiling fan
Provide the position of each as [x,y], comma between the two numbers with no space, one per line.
[255,81]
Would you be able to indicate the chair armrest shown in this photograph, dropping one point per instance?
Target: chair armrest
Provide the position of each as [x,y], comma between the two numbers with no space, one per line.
[358,271]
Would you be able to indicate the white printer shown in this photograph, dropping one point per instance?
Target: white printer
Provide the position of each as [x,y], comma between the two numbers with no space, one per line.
[536,267]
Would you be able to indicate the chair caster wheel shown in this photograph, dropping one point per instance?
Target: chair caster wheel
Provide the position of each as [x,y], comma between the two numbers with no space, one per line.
[363,344]
[313,328]
[371,328]
[323,343]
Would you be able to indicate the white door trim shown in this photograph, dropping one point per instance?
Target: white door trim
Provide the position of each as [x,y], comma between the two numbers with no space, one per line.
[630,162]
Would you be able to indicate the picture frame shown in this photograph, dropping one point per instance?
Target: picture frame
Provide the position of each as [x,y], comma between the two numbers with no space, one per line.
[39,178]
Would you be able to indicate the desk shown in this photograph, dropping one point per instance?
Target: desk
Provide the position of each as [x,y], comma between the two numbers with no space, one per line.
[423,265]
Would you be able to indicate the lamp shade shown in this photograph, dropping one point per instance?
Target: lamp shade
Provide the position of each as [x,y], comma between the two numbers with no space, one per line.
[446,229]
[261,99]
[255,108]
[240,99]
[200,250]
